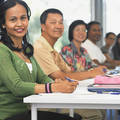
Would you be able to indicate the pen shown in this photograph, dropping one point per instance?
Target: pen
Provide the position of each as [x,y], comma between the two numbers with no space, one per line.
[70,79]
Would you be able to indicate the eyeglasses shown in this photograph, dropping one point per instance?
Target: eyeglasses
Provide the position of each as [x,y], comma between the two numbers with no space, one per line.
[78,30]
[111,38]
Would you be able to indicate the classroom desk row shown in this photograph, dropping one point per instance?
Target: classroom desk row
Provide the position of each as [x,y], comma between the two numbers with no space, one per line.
[81,98]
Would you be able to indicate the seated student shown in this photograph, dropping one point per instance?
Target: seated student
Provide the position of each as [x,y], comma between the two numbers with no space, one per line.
[94,35]
[116,48]
[20,74]
[73,54]
[109,41]
[51,62]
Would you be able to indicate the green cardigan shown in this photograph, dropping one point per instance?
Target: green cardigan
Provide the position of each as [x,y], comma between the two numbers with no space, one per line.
[16,82]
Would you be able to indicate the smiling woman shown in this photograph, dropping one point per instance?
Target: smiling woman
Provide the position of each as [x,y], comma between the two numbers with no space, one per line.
[16,24]
[73,54]
[20,74]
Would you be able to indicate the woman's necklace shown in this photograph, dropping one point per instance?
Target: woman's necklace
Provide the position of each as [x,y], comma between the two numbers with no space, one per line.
[21,55]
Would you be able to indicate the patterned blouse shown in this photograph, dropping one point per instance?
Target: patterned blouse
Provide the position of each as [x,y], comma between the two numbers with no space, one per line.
[72,58]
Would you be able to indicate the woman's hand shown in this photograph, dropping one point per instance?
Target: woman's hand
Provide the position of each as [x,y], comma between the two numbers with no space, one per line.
[64,86]
[98,71]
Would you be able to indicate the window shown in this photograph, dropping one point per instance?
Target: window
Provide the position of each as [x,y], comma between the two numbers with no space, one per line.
[71,9]
[113,16]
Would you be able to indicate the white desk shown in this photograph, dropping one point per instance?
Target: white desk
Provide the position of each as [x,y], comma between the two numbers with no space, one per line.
[78,100]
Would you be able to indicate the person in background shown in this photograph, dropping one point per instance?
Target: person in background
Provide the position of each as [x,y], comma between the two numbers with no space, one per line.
[20,74]
[94,35]
[50,60]
[109,42]
[116,48]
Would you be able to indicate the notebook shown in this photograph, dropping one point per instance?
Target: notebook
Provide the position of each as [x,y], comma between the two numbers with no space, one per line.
[102,79]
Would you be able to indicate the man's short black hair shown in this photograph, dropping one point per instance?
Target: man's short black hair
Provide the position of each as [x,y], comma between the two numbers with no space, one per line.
[92,23]
[44,15]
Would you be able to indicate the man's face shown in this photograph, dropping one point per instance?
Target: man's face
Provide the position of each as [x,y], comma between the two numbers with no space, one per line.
[110,39]
[94,33]
[53,28]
